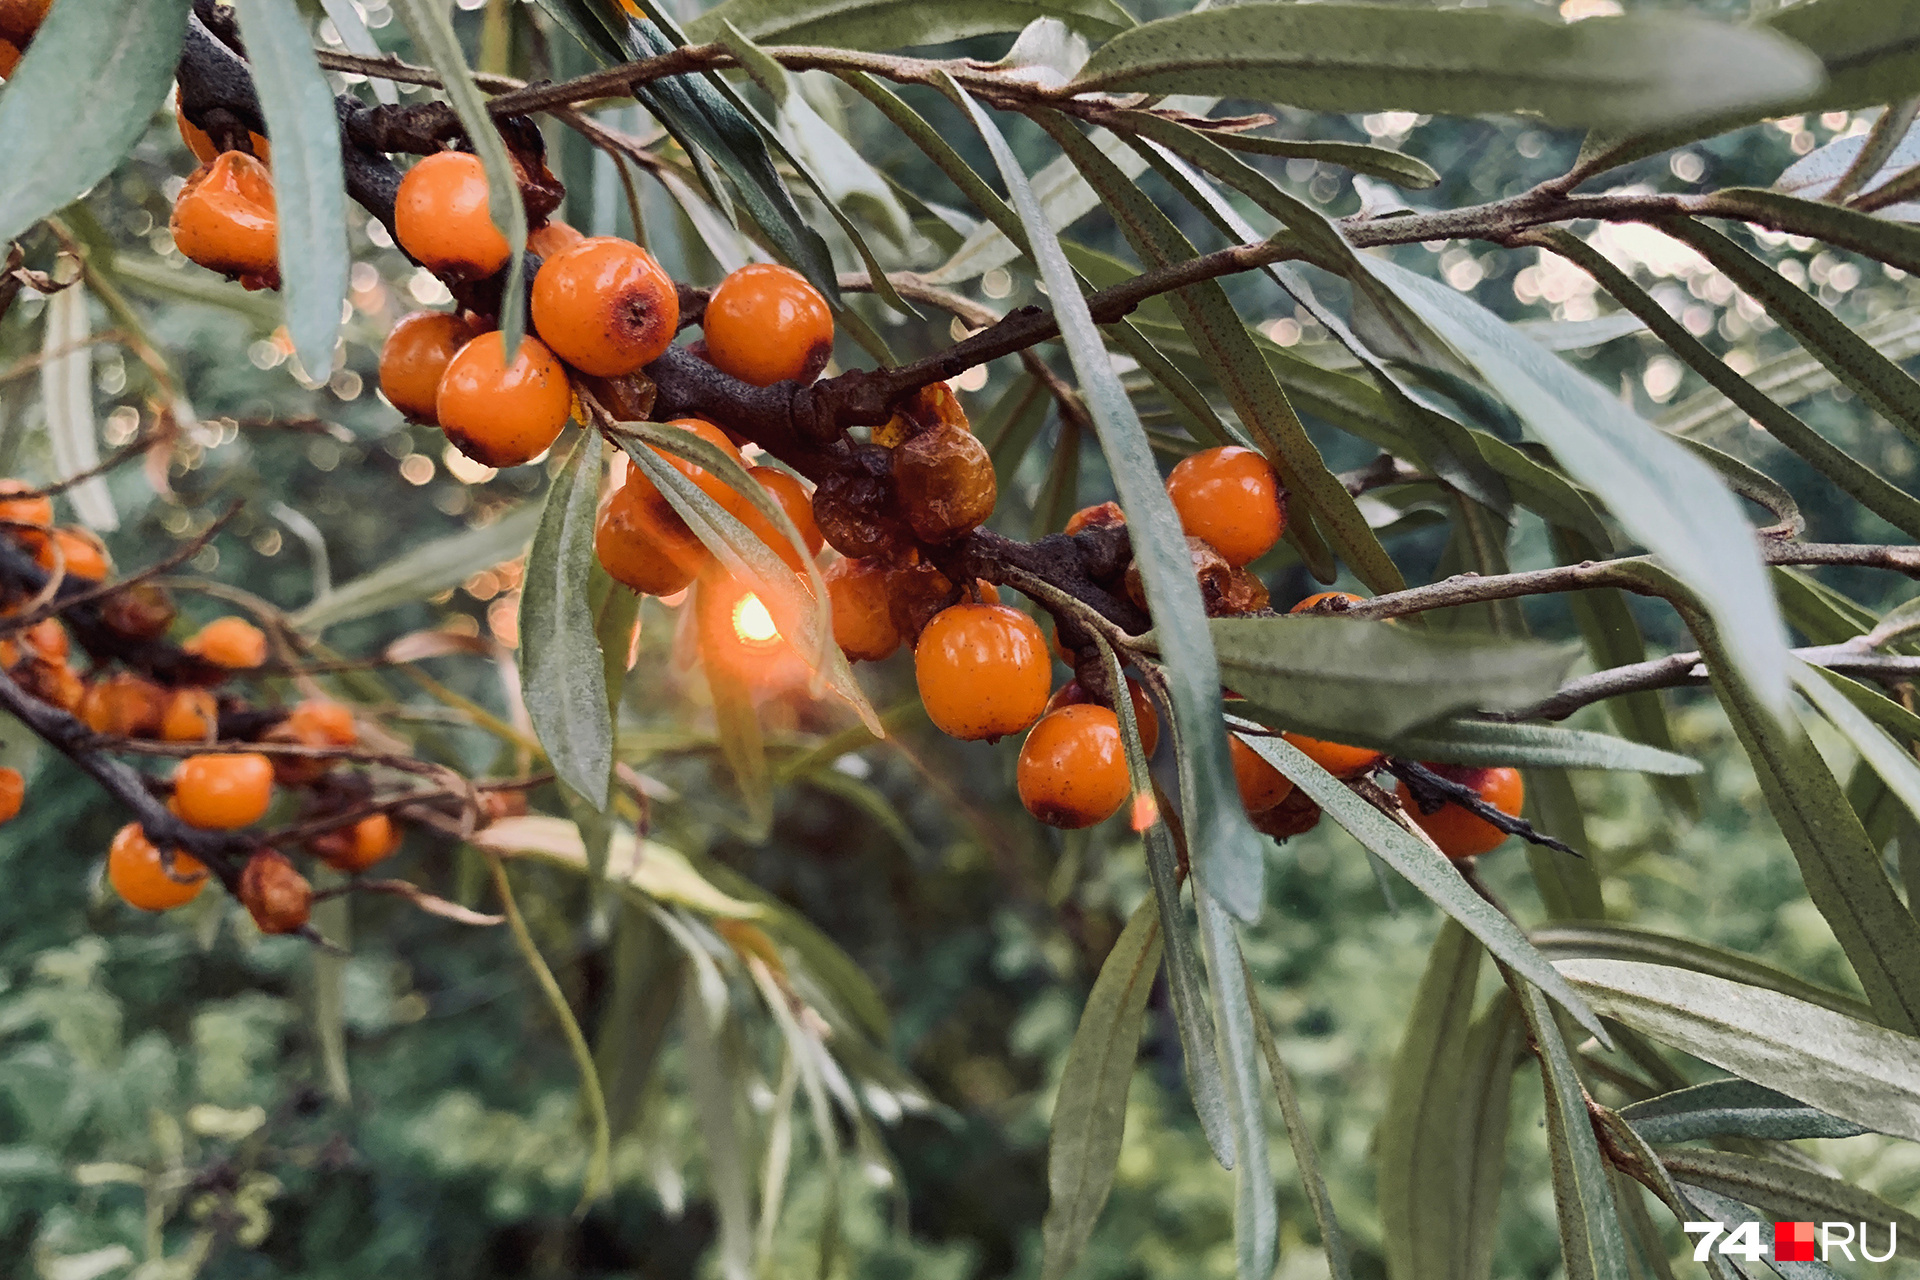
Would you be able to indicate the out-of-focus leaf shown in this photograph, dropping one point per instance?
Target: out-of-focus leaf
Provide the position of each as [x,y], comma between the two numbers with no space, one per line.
[1732,1108]
[1617,72]
[896,24]
[1868,48]
[1335,673]
[1230,862]
[356,38]
[561,669]
[1481,742]
[1839,1065]
[1376,162]
[717,1092]
[1817,611]
[1090,1113]
[1602,941]
[1184,984]
[1788,378]
[735,717]
[81,97]
[1255,1216]
[1815,174]
[309,188]
[1790,1192]
[66,396]
[661,873]
[424,571]
[1892,761]
[1581,335]
[1569,887]
[1663,496]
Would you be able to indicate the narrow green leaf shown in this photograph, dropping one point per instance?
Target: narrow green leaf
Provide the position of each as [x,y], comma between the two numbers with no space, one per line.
[718,1091]
[1882,239]
[1817,611]
[1569,887]
[1615,72]
[1790,1192]
[1541,489]
[309,188]
[1788,378]
[1255,1216]
[1601,941]
[81,97]
[736,718]
[1230,861]
[1871,48]
[1700,1203]
[648,971]
[1718,1266]
[616,612]
[1090,1113]
[424,571]
[896,24]
[1839,1065]
[1495,1046]
[1405,171]
[1481,742]
[1732,1108]
[1184,985]
[1892,761]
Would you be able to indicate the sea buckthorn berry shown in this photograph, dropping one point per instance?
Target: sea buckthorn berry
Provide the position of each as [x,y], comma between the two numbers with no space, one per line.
[862,612]
[13,792]
[1336,758]
[915,594]
[322,722]
[224,220]
[142,611]
[54,683]
[9,59]
[1333,603]
[372,839]
[1073,694]
[49,639]
[551,237]
[1103,515]
[927,407]
[854,506]
[1231,497]
[233,643]
[1073,768]
[37,511]
[712,485]
[139,875]
[125,704]
[795,500]
[1458,832]
[204,148]
[221,792]
[19,19]
[503,414]
[1261,785]
[79,551]
[643,544]
[765,324]
[945,481]
[277,897]
[982,671]
[605,306]
[1296,815]
[440,217]
[415,358]
[1224,590]
[191,716]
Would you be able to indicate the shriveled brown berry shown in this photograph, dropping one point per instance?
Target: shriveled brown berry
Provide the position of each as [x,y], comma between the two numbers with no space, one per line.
[1224,590]
[142,611]
[945,481]
[854,507]
[54,683]
[915,593]
[1293,816]
[276,895]
[1099,516]
[124,704]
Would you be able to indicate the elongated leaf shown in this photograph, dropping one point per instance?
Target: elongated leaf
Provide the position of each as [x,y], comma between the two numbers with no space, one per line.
[1839,1065]
[1569,887]
[1600,941]
[1090,1114]
[1663,496]
[81,97]
[716,1087]
[1879,238]
[1230,861]
[1719,1266]
[424,571]
[309,188]
[1494,1047]
[1870,48]
[1427,870]
[1479,742]
[1184,985]
[1789,378]
[1336,673]
[736,717]
[1610,73]
[1893,762]
[1788,1192]
[1815,175]
[648,971]
[1736,1108]
[66,397]
[1376,162]
[1255,1219]
[896,24]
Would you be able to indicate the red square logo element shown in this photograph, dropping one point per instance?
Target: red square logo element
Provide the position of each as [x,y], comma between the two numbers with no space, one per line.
[1793,1242]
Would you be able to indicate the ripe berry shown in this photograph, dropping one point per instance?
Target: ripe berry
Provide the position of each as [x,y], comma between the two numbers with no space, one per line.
[277,897]
[643,543]
[1073,767]
[139,876]
[224,220]
[551,237]
[125,704]
[233,643]
[13,792]
[440,217]
[19,19]
[862,617]
[321,722]
[1261,785]
[1073,694]
[1230,497]
[54,683]
[79,551]
[945,481]
[1459,833]
[191,716]
[795,500]
[372,839]
[1324,602]
[712,485]
[9,59]
[222,792]
[982,671]
[204,149]
[605,306]
[1336,758]
[503,414]
[48,639]
[765,324]
[416,356]
[34,511]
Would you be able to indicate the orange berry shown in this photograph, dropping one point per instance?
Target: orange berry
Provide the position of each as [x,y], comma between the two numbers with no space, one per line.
[9,59]
[1320,602]
[1071,694]
[1336,758]
[982,670]
[765,324]
[415,357]
[36,511]
[222,792]
[1230,498]
[440,217]
[1459,833]
[191,716]
[138,874]
[277,897]
[321,722]
[862,609]
[795,500]
[48,639]
[233,643]
[714,487]
[643,543]
[1073,767]
[13,792]
[499,414]
[1099,516]
[372,839]
[224,220]
[128,705]
[605,306]
[19,19]
[54,683]
[79,551]
[204,149]
[945,480]
[1261,785]
[551,237]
